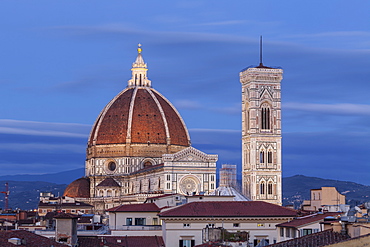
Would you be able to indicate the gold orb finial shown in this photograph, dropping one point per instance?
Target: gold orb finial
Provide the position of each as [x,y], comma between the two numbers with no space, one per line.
[139,50]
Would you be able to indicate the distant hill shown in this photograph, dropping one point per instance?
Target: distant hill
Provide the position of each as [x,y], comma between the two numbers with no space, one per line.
[25,189]
[297,188]
[65,177]
[25,194]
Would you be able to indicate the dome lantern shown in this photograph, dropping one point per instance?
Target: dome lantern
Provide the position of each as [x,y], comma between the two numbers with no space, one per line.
[139,72]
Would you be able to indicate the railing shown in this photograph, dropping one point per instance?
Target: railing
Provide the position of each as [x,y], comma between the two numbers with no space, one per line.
[139,228]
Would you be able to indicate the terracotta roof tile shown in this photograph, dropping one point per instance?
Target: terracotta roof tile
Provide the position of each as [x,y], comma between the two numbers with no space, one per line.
[229,209]
[316,239]
[79,188]
[31,239]
[111,127]
[63,215]
[119,241]
[307,220]
[142,207]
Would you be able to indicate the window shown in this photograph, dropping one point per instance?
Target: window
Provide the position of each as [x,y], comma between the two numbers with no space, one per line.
[186,242]
[269,157]
[236,225]
[168,186]
[212,178]
[112,166]
[260,225]
[129,221]
[186,225]
[155,221]
[258,240]
[262,188]
[140,221]
[211,225]
[281,232]
[168,177]
[212,186]
[262,157]
[265,118]
[269,188]
[287,232]
[306,232]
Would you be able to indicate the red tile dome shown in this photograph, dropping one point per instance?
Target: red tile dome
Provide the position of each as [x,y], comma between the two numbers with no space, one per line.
[139,121]
[79,188]
[139,116]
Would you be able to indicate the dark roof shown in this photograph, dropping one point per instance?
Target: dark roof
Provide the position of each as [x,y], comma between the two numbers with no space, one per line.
[261,66]
[79,188]
[211,244]
[109,182]
[65,205]
[316,239]
[229,209]
[63,215]
[142,207]
[31,239]
[119,241]
[307,220]
[160,196]
[149,168]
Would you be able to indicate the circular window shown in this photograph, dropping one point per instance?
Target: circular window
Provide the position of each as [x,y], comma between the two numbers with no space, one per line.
[188,185]
[112,166]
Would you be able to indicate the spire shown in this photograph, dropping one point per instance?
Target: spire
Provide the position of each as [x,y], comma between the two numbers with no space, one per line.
[261,64]
[139,70]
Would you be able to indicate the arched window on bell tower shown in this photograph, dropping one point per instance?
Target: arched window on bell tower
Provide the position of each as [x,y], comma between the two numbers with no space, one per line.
[265,117]
[269,188]
[262,157]
[262,188]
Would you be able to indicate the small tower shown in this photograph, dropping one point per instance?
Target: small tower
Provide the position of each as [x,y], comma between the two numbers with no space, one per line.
[66,228]
[139,70]
[261,133]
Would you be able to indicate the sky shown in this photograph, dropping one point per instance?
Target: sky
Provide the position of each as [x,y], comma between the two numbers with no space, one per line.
[61,62]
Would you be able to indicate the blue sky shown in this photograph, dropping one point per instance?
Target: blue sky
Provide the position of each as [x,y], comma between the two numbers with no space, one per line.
[62,61]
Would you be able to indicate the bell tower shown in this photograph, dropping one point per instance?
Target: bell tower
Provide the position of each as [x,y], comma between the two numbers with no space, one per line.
[261,133]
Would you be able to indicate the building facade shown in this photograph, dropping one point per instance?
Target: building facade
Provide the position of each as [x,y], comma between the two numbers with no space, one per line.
[185,225]
[261,133]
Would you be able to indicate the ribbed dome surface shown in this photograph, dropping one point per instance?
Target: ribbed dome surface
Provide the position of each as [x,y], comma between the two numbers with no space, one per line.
[79,188]
[139,115]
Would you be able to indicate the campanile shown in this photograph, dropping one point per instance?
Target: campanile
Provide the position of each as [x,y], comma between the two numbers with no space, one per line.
[261,133]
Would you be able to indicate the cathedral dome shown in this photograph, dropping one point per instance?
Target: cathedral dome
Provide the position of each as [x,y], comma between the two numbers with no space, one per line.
[139,121]
[79,188]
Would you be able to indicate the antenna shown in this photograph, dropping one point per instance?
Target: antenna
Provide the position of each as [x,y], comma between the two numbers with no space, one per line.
[261,51]
[6,193]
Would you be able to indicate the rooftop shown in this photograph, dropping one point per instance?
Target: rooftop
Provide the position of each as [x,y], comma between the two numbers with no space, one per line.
[307,220]
[119,241]
[31,239]
[229,209]
[142,207]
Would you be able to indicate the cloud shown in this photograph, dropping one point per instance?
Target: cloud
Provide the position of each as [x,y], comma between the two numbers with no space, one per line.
[187,104]
[42,147]
[335,109]
[335,34]
[224,23]
[18,127]
[161,37]
[231,110]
